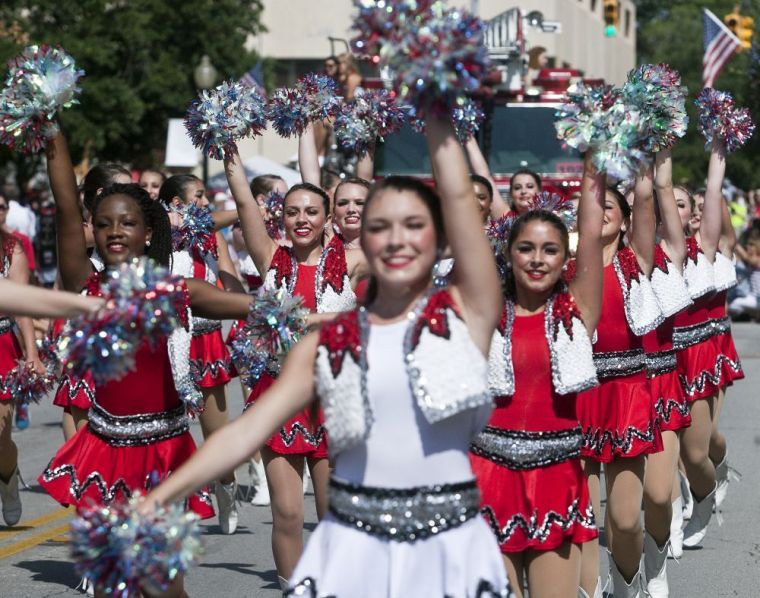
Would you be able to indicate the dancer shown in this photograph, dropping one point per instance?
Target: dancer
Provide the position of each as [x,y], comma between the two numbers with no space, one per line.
[527,460]
[618,419]
[209,356]
[480,168]
[151,180]
[403,509]
[324,274]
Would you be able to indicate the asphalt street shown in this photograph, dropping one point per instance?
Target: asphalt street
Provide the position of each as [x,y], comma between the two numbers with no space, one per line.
[34,559]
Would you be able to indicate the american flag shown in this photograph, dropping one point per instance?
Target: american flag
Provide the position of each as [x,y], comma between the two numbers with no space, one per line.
[720,45]
[255,78]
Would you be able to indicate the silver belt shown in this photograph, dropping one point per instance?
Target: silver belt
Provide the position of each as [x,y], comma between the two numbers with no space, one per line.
[662,362]
[6,324]
[137,430]
[204,326]
[404,514]
[687,336]
[521,450]
[619,363]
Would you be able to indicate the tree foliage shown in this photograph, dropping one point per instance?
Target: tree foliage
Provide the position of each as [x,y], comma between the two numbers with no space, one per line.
[672,32]
[139,57]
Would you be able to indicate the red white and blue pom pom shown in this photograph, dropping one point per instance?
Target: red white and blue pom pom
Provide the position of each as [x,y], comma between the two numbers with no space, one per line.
[719,118]
[144,301]
[320,92]
[275,208]
[498,236]
[378,20]
[219,117]
[557,205]
[121,551]
[655,90]
[369,117]
[290,110]
[42,80]
[26,385]
[468,116]
[249,362]
[196,231]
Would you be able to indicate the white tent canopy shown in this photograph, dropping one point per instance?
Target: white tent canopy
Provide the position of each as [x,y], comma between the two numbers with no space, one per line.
[256,166]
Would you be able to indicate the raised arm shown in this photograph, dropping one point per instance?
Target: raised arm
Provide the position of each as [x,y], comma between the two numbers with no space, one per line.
[479,165]
[365,167]
[208,301]
[308,159]
[238,440]
[712,221]
[477,280]
[25,300]
[257,241]
[227,272]
[643,222]
[587,285]
[673,240]
[73,263]
[727,242]
[224,218]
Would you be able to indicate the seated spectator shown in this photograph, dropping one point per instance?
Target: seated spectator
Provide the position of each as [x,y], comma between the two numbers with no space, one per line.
[745,297]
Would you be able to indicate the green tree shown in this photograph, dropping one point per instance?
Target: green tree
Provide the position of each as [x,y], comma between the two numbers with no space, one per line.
[139,57]
[672,32]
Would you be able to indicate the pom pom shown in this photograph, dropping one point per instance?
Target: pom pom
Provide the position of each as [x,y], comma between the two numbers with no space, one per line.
[41,81]
[249,362]
[370,116]
[275,208]
[720,118]
[468,116]
[219,117]
[319,92]
[313,98]
[275,323]
[436,56]
[143,302]
[557,205]
[26,385]
[121,550]
[196,232]
[655,91]
[498,235]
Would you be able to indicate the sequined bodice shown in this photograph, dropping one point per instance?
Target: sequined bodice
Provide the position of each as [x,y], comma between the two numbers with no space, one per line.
[613,332]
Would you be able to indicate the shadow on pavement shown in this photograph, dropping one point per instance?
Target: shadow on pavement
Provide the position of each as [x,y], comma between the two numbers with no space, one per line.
[51,571]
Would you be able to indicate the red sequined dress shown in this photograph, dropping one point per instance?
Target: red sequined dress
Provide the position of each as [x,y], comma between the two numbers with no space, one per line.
[10,349]
[137,434]
[527,460]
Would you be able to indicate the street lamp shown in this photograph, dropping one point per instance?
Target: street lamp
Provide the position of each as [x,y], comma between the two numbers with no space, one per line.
[205,78]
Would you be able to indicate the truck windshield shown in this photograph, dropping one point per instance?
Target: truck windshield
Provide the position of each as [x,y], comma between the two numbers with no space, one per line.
[405,153]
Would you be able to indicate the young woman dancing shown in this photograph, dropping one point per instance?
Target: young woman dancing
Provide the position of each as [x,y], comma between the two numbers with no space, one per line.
[527,460]
[403,385]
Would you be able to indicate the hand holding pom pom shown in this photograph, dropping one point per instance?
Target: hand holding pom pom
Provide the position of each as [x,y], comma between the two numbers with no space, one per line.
[196,230]
[123,551]
[370,116]
[313,98]
[26,385]
[719,118]
[219,117]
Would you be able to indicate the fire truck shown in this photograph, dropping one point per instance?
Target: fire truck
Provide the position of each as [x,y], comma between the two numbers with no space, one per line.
[518,131]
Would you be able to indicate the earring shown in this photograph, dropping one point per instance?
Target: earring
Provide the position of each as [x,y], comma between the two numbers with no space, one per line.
[147,243]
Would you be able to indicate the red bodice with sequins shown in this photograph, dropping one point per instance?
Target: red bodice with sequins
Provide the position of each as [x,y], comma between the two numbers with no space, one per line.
[613,332]
[305,287]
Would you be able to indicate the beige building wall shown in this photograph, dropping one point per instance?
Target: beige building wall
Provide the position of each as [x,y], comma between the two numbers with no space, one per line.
[299,29]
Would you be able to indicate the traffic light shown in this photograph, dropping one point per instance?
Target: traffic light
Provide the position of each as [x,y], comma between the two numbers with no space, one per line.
[611,17]
[742,27]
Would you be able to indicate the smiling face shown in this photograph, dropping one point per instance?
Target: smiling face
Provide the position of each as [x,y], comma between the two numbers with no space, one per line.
[614,220]
[195,193]
[683,203]
[524,190]
[119,229]
[538,254]
[696,216]
[399,239]
[151,181]
[484,201]
[304,218]
[349,205]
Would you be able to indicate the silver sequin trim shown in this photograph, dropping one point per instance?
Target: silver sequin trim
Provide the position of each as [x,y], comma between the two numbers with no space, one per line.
[540,530]
[200,369]
[137,430]
[6,324]
[407,514]
[594,440]
[314,439]
[635,326]
[698,385]
[687,336]
[619,363]
[77,490]
[662,362]
[204,326]
[665,407]
[521,450]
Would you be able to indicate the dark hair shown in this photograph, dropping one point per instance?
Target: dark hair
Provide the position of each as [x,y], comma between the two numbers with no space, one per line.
[426,194]
[476,178]
[175,186]
[157,171]
[312,189]
[3,235]
[328,178]
[535,175]
[625,209]
[264,183]
[154,214]
[98,177]
[352,181]
[689,194]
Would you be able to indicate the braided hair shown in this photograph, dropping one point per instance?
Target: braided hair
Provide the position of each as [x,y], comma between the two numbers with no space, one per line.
[154,214]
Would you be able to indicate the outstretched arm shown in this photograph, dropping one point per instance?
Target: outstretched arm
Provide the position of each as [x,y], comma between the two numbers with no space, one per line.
[19,273]
[479,165]
[25,300]
[257,241]
[224,218]
[73,263]
[586,287]
[477,280]
[208,301]
[238,440]
[673,240]
[308,160]
[712,221]
[644,225]
[227,273]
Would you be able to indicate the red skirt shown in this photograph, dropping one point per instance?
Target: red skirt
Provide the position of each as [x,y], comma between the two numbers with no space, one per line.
[535,509]
[74,392]
[10,353]
[670,404]
[210,360]
[88,470]
[303,434]
[236,326]
[618,419]
[709,366]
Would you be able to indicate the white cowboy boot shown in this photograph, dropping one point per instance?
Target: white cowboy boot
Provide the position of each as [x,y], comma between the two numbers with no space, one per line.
[598,590]
[724,473]
[11,500]
[676,529]
[261,495]
[655,567]
[696,529]
[225,500]
[628,589]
